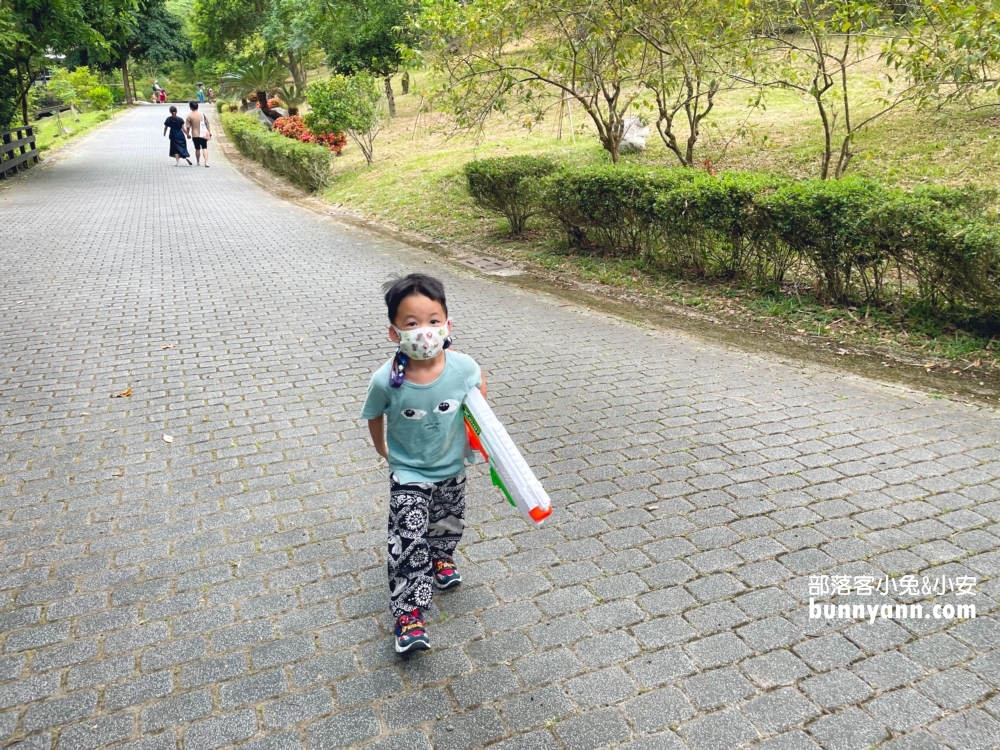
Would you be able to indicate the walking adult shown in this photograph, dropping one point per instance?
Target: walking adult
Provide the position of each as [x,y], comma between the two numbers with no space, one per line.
[201,93]
[178,138]
[196,126]
[156,90]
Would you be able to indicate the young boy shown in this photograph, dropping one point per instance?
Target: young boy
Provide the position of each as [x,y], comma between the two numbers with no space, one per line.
[414,413]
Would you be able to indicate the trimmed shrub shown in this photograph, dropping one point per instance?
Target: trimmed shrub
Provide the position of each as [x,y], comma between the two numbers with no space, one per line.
[826,223]
[100,97]
[612,208]
[305,164]
[509,186]
[952,255]
[715,227]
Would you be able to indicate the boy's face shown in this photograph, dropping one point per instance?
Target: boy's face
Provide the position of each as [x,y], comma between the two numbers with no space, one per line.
[417,311]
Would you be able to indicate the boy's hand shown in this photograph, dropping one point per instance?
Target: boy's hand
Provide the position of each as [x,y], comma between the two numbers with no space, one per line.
[383,451]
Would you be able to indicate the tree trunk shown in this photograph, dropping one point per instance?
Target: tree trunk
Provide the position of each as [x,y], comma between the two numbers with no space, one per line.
[24,107]
[128,90]
[404,82]
[295,67]
[389,97]
[268,112]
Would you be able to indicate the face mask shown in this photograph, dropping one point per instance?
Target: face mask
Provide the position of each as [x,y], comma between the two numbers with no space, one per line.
[423,343]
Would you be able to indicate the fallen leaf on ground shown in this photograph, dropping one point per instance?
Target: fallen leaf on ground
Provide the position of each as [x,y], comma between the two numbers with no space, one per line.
[842,352]
[84,413]
[800,330]
[929,365]
[123,394]
[652,507]
[169,346]
[168,439]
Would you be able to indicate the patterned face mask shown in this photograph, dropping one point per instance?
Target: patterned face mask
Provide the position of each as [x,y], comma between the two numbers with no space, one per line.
[416,343]
[422,343]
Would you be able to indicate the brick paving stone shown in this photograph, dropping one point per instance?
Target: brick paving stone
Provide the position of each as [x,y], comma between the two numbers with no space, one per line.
[228,589]
[540,706]
[594,729]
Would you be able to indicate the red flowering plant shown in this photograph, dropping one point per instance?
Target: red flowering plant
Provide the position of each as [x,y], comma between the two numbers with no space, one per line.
[295,128]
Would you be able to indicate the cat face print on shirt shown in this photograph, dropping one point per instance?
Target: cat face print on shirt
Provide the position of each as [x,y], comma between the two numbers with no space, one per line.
[445,411]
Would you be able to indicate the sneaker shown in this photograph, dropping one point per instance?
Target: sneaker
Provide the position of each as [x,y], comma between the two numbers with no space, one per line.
[410,633]
[445,574]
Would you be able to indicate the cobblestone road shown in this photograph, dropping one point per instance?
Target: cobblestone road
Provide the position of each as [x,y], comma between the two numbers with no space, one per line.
[227,589]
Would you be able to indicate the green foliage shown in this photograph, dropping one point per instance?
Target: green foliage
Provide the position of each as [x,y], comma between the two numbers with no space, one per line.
[292,96]
[510,186]
[858,238]
[611,208]
[62,86]
[347,104]
[238,32]
[826,223]
[159,37]
[83,80]
[494,53]
[8,102]
[367,35]
[305,164]
[262,75]
[944,241]
[100,97]
[716,227]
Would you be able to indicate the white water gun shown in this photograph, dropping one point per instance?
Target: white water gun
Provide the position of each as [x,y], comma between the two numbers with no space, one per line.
[508,469]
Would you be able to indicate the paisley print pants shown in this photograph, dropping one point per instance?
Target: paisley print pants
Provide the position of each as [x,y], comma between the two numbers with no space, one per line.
[426,522]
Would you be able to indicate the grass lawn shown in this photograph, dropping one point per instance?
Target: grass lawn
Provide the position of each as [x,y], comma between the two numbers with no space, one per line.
[416,184]
[50,137]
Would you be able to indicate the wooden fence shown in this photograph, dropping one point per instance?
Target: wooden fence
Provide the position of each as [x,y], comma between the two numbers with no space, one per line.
[17,150]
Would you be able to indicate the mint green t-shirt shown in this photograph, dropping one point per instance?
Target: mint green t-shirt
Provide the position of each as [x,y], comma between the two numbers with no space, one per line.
[425,431]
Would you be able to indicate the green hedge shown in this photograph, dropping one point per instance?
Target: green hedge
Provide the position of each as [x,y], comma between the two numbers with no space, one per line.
[305,164]
[509,186]
[859,238]
[614,207]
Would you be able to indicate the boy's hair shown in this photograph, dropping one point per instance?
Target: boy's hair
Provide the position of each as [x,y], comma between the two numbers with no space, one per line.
[398,289]
[193,105]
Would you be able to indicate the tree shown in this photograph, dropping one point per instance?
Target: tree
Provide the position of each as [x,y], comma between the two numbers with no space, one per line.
[149,34]
[70,88]
[230,29]
[953,51]
[258,80]
[831,39]
[538,53]
[292,97]
[694,49]
[347,104]
[367,35]
[31,28]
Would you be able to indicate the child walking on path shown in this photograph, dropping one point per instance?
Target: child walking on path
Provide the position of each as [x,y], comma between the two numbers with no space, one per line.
[414,413]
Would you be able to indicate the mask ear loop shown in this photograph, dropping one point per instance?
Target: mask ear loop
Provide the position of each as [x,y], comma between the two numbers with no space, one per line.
[397,370]
[447,341]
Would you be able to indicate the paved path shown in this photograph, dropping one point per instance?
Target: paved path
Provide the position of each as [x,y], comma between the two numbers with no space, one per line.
[226,589]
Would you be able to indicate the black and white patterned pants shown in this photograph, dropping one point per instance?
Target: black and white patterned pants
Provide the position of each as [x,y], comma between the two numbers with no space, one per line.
[426,522]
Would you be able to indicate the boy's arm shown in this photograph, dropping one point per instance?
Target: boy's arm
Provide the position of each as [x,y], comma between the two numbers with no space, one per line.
[482,384]
[377,429]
